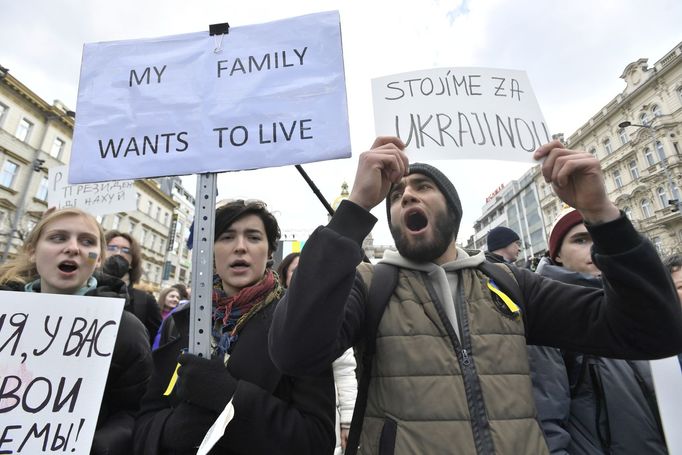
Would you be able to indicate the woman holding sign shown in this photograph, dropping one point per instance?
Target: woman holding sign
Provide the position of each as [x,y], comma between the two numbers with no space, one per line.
[60,256]
[273,413]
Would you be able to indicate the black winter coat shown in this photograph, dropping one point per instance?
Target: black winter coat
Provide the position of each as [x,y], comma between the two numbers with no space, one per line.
[593,405]
[143,305]
[274,413]
[129,374]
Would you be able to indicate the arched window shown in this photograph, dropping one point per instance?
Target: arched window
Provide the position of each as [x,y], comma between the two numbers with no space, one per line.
[623,136]
[607,146]
[660,151]
[649,155]
[656,110]
[644,118]
[646,208]
[634,170]
[593,151]
[617,179]
[662,196]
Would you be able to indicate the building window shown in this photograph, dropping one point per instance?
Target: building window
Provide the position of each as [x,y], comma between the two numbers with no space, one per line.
[656,110]
[116,223]
[10,170]
[660,151]
[3,113]
[593,151]
[24,130]
[138,197]
[57,148]
[662,197]
[607,146]
[149,208]
[166,216]
[623,136]
[132,227]
[143,237]
[42,189]
[158,213]
[649,157]
[617,180]
[676,192]
[628,212]
[643,118]
[646,208]
[153,241]
[634,170]
[676,147]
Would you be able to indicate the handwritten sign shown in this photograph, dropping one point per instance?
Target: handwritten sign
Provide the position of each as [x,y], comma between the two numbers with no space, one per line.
[95,198]
[261,96]
[461,113]
[55,352]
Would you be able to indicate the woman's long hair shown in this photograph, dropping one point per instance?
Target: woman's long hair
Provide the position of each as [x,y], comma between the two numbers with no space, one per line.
[22,269]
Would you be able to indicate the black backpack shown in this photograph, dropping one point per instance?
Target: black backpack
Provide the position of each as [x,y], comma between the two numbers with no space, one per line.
[384,281]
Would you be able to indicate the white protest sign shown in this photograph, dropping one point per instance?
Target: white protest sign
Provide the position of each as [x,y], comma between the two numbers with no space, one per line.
[461,113]
[95,198]
[55,352]
[667,374]
[273,94]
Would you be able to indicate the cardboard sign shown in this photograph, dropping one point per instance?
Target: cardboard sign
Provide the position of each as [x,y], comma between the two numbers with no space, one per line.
[95,198]
[461,113]
[55,352]
[260,96]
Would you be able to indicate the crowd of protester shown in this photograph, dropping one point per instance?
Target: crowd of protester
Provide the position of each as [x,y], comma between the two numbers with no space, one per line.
[458,357]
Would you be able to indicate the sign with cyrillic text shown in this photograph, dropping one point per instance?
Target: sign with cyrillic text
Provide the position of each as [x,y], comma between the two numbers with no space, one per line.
[55,352]
[100,198]
[259,96]
[461,113]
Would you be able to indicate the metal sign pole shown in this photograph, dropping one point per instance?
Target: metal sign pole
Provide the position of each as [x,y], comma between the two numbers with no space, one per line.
[202,266]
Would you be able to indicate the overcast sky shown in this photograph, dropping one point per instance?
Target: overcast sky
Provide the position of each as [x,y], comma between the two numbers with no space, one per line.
[573,52]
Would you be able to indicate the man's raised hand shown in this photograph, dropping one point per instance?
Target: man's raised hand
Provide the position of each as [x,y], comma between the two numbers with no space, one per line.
[385,164]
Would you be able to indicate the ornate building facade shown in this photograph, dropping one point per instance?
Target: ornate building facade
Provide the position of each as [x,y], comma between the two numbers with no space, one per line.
[637,138]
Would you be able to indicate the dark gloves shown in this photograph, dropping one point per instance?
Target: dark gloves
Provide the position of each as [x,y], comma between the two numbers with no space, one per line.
[205,383]
[186,427]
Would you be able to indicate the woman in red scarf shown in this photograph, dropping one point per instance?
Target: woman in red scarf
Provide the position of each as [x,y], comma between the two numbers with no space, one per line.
[273,413]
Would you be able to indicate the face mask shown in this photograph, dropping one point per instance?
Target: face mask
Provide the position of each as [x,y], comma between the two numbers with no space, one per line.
[116,266]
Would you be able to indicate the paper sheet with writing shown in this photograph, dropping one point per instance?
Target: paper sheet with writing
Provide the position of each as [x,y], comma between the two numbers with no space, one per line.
[100,198]
[55,352]
[273,94]
[667,374]
[461,113]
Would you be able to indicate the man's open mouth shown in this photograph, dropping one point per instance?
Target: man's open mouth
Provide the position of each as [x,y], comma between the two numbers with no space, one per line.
[416,221]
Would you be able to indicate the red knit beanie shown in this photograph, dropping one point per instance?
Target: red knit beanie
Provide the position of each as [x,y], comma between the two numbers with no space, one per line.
[564,222]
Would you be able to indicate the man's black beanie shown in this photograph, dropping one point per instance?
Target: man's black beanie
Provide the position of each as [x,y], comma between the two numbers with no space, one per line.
[444,185]
[500,237]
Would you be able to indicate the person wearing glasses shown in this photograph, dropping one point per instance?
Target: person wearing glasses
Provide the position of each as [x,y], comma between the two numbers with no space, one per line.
[60,256]
[273,413]
[124,261]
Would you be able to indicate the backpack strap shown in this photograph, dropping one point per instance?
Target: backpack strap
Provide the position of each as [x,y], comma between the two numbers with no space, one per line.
[383,282]
[503,279]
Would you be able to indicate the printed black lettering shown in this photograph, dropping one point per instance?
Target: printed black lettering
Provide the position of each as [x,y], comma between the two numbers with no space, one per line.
[146,74]
[392,86]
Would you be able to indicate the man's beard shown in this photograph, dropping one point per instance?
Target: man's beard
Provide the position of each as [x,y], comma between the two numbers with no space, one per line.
[423,250]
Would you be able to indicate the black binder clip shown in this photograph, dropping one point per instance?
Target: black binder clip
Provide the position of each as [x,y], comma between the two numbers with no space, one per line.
[217,31]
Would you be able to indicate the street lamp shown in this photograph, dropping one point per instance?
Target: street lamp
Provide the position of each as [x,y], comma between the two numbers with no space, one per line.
[677,205]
